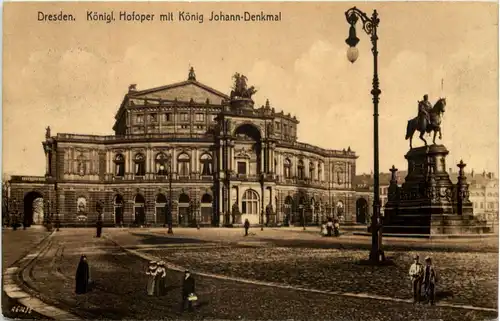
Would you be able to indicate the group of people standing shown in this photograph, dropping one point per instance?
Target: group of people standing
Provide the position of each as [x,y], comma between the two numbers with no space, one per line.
[156,278]
[425,276]
[332,225]
[156,285]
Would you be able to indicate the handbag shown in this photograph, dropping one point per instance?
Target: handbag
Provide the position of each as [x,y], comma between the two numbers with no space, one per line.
[192,297]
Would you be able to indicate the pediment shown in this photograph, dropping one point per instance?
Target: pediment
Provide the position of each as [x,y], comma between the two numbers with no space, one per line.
[184,91]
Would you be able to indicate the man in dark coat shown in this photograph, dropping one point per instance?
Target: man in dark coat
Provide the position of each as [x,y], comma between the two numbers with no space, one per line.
[82,277]
[99,228]
[187,289]
[247,226]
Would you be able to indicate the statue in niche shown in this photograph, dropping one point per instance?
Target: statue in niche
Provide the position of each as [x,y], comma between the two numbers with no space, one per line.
[234,212]
[81,169]
[270,129]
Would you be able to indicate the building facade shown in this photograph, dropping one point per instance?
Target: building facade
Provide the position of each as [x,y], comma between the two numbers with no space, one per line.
[191,154]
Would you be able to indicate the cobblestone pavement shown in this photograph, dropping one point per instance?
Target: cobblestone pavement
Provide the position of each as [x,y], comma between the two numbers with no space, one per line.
[120,282]
[15,244]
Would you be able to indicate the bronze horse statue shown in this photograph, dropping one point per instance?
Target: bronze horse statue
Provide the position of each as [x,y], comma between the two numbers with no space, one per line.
[427,127]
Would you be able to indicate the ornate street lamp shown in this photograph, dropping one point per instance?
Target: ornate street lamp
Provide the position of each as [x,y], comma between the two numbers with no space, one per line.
[370,27]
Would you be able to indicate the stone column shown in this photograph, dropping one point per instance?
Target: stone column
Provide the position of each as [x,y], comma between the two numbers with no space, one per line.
[262,160]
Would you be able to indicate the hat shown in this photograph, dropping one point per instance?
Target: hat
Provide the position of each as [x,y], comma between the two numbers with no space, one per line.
[428,258]
[161,263]
[186,271]
[152,263]
[415,257]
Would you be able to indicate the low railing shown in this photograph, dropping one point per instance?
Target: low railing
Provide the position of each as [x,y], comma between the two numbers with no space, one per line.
[21,178]
[318,150]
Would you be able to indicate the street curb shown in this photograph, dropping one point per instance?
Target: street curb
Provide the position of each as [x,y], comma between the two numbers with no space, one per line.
[13,276]
[178,268]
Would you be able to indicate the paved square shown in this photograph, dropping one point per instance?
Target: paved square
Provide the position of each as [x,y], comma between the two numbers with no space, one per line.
[272,274]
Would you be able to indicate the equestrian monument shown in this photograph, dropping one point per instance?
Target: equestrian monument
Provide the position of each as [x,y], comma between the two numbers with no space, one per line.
[428,203]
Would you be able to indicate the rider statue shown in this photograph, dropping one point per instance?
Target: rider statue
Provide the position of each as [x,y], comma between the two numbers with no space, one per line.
[424,108]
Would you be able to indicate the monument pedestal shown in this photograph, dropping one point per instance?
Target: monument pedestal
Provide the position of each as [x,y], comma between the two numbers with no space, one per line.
[428,203]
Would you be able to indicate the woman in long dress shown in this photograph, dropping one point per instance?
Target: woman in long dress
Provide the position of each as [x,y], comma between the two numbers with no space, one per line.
[151,273]
[82,277]
[160,282]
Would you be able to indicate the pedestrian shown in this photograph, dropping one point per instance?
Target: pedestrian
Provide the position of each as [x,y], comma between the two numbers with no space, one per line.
[247,226]
[416,273]
[82,277]
[160,279]
[329,227]
[323,229]
[336,227]
[430,280]
[58,223]
[151,273]
[188,291]
[99,228]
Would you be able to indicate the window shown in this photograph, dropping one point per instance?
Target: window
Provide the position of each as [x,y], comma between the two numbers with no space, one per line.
[277,125]
[311,171]
[199,127]
[287,164]
[139,119]
[184,116]
[200,117]
[183,164]
[161,164]
[250,202]
[166,117]
[320,172]
[206,164]
[119,165]
[140,165]
[184,126]
[153,118]
[242,168]
[300,168]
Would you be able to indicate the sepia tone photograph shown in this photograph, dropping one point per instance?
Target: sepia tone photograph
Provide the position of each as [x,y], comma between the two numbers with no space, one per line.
[250,161]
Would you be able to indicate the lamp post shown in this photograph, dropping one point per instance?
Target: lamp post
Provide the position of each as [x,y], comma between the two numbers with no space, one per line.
[370,27]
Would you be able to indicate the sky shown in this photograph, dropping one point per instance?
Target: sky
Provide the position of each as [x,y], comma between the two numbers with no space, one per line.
[72,76]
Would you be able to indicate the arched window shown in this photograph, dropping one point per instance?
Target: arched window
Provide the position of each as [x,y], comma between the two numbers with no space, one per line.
[206,164]
[183,164]
[119,165]
[250,202]
[161,164]
[300,169]
[320,171]
[140,165]
[311,171]
[287,164]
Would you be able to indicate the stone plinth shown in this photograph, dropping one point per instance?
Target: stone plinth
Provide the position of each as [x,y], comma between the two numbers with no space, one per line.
[428,203]
[242,103]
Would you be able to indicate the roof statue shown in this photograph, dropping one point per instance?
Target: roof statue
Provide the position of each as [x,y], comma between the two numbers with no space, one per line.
[192,75]
[47,132]
[240,88]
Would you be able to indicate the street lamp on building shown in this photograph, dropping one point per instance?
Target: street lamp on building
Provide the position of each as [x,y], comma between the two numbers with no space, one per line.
[168,217]
[370,26]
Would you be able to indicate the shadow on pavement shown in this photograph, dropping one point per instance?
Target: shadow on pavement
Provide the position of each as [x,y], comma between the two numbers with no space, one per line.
[156,239]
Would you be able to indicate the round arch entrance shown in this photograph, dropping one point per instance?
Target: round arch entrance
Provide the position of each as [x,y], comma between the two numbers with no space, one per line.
[33,209]
[206,209]
[361,210]
[139,210]
[183,208]
[118,209]
[288,210]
